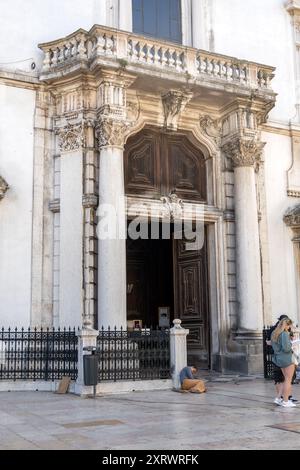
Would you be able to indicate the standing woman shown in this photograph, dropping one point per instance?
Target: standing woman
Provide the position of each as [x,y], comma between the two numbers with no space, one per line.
[282,347]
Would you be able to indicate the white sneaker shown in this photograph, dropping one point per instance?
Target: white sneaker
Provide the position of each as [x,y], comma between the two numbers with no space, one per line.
[288,404]
[278,401]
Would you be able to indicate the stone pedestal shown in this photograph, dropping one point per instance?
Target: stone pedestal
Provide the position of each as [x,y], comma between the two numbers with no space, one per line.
[178,351]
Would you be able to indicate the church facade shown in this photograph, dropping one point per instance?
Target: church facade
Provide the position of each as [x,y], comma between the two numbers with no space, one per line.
[166,111]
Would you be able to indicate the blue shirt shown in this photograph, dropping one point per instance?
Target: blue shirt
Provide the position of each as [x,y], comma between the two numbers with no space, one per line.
[186,373]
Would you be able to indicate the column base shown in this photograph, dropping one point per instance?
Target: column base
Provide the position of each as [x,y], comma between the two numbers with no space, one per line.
[242,335]
[238,363]
[246,359]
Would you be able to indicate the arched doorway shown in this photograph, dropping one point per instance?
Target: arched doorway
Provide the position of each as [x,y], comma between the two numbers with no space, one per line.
[163,276]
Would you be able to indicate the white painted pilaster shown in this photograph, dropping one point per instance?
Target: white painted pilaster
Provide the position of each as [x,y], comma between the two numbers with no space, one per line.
[70,288]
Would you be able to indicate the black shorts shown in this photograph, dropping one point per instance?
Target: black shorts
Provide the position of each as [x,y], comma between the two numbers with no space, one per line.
[278,375]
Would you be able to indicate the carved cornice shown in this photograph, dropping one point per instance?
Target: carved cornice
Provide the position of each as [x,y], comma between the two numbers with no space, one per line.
[110,132]
[3,187]
[174,103]
[71,137]
[244,152]
[292,217]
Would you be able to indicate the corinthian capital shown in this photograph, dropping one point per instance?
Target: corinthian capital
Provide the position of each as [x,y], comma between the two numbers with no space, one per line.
[3,187]
[71,137]
[243,151]
[110,132]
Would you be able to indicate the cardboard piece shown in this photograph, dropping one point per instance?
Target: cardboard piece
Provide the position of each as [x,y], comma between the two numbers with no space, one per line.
[63,385]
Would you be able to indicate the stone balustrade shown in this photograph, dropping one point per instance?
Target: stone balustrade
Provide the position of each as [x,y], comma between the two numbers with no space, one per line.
[106,46]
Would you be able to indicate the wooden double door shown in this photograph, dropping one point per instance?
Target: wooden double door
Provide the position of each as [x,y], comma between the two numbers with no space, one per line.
[163,273]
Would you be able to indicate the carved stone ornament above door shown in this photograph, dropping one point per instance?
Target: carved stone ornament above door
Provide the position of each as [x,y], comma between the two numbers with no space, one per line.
[3,187]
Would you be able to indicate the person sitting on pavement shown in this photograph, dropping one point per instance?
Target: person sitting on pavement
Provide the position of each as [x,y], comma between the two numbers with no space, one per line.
[189,382]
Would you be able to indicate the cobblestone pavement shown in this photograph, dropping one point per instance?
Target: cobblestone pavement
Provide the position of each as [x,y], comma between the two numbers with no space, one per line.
[235,413]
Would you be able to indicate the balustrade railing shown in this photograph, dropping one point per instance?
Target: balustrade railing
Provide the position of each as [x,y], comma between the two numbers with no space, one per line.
[102,43]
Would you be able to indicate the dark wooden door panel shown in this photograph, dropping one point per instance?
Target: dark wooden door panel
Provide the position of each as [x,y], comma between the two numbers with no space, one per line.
[189,288]
[158,163]
[142,165]
[191,302]
[187,169]
[197,337]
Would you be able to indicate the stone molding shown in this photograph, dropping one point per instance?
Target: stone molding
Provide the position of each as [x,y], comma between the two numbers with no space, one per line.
[3,187]
[174,103]
[293,193]
[244,152]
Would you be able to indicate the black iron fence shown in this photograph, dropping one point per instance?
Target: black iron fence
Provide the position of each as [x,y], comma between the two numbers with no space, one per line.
[268,354]
[38,354]
[133,355]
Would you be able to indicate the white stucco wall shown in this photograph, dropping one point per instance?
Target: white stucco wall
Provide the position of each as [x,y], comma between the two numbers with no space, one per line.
[259,31]
[25,24]
[70,290]
[282,264]
[16,166]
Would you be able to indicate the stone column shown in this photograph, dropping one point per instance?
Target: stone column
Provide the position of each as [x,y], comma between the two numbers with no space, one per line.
[111,229]
[178,351]
[244,153]
[112,224]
